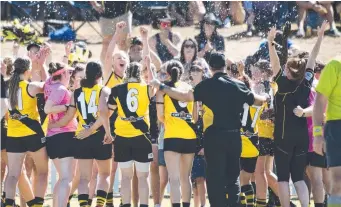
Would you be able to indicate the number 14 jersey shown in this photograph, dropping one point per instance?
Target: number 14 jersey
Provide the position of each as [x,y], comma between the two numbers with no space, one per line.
[132,101]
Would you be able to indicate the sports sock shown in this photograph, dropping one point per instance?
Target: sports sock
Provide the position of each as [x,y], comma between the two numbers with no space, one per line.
[89,202]
[325,203]
[126,205]
[68,203]
[9,202]
[318,204]
[110,199]
[242,199]
[185,204]
[31,203]
[176,205]
[143,205]
[260,202]
[83,200]
[101,197]
[249,195]
[3,198]
[39,202]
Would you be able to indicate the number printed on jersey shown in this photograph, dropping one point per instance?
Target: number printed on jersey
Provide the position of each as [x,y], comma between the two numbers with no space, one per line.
[246,115]
[92,107]
[132,100]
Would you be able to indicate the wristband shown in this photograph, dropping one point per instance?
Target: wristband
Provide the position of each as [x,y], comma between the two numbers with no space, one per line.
[317,131]
[67,106]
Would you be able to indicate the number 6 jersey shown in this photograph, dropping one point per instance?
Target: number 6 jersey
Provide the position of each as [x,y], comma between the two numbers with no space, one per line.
[132,101]
[87,100]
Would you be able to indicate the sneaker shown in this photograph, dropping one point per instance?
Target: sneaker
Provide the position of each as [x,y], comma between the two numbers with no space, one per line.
[334,33]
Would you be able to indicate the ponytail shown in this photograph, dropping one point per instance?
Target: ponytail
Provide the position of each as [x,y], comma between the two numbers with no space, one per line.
[133,71]
[175,75]
[92,73]
[21,65]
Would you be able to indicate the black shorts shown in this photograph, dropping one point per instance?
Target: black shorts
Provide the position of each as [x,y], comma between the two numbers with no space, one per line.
[266,147]
[248,164]
[137,148]
[3,134]
[30,143]
[179,145]
[92,147]
[316,160]
[332,132]
[61,145]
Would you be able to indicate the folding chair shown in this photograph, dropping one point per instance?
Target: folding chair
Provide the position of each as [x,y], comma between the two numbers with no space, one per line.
[24,10]
[86,12]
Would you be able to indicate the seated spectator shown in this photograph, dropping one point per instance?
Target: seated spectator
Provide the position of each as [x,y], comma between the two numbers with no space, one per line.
[165,43]
[208,38]
[227,10]
[185,12]
[325,9]
[188,56]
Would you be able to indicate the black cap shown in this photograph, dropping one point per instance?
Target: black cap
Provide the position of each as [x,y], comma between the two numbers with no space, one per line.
[216,60]
[33,44]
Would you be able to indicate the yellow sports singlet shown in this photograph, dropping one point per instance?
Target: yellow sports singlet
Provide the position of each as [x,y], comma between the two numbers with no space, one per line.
[266,127]
[249,130]
[178,117]
[113,80]
[87,101]
[24,120]
[132,100]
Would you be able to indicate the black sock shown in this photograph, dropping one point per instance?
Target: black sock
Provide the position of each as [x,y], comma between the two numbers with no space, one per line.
[318,204]
[242,199]
[83,199]
[39,202]
[126,205]
[249,195]
[3,198]
[325,200]
[101,196]
[110,199]
[9,202]
[260,202]
[31,203]
[185,204]
[89,202]
[143,205]
[176,205]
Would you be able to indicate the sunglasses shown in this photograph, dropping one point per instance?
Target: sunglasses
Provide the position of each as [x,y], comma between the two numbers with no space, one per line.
[190,46]
[165,24]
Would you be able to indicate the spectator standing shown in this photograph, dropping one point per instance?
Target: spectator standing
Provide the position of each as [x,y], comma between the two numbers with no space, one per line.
[112,12]
[208,38]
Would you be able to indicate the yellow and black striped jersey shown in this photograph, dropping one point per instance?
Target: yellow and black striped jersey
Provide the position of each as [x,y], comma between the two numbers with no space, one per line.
[87,101]
[132,100]
[113,80]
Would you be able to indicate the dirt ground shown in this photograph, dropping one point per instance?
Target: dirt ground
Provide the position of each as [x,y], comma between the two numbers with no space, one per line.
[236,48]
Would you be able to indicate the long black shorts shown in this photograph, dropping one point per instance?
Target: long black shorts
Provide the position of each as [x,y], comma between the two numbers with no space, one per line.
[316,160]
[332,134]
[61,145]
[92,147]
[266,147]
[30,143]
[133,148]
[180,145]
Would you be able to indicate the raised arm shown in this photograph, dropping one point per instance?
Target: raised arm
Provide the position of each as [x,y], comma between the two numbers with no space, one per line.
[160,106]
[108,60]
[316,49]
[274,59]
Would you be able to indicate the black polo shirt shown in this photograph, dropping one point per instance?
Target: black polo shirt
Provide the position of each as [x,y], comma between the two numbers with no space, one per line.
[223,98]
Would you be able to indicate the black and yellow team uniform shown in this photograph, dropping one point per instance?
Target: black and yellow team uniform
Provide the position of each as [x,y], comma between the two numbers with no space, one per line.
[132,137]
[249,135]
[222,143]
[24,131]
[86,103]
[266,125]
[180,133]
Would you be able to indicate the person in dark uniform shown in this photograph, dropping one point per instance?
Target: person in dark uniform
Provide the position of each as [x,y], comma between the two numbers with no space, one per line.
[166,44]
[221,127]
[294,82]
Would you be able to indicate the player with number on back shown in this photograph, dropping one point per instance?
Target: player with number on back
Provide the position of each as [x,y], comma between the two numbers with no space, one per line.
[85,101]
[25,135]
[179,137]
[249,136]
[132,141]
